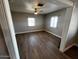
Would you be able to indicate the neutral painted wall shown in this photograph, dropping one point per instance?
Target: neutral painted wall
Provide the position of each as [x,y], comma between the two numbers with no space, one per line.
[20,22]
[67,19]
[58,30]
[73,27]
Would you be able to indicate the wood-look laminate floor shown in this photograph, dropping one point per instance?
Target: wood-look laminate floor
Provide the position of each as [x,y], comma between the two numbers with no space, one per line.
[39,45]
[72,52]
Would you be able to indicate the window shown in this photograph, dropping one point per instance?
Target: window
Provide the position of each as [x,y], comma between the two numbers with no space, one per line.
[53,22]
[31,21]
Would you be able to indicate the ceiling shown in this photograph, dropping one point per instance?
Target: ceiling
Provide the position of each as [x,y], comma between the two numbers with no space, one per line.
[49,5]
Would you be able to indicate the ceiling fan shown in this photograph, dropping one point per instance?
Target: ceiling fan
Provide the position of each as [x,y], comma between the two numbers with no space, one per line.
[38,7]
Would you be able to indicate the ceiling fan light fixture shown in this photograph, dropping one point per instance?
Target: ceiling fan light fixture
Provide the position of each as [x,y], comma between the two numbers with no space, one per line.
[35,13]
[38,7]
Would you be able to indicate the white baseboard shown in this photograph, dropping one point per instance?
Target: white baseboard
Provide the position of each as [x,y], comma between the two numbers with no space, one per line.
[28,31]
[53,34]
[70,47]
[37,31]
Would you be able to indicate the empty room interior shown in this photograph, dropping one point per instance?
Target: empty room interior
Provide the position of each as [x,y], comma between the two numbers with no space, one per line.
[38,29]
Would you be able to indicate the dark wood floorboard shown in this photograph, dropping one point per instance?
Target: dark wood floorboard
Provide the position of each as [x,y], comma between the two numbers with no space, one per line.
[39,45]
[72,52]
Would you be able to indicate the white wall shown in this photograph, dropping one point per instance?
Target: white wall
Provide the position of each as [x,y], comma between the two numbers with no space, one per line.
[58,30]
[70,29]
[67,19]
[20,22]
[73,27]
